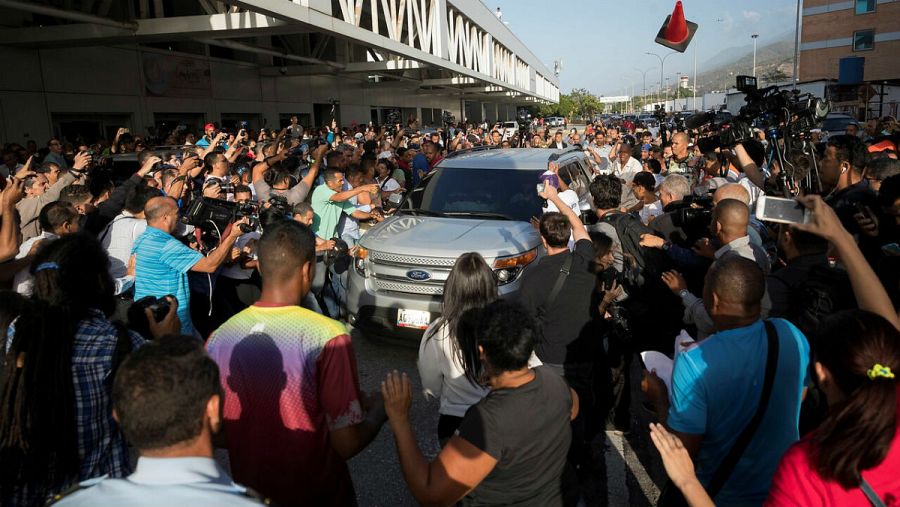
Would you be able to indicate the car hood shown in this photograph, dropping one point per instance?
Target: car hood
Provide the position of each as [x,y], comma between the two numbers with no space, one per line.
[450,237]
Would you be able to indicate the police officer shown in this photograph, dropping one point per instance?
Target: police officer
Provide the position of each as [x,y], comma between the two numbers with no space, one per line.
[166,399]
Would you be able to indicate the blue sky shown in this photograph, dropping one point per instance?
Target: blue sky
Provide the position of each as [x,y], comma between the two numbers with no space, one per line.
[602,42]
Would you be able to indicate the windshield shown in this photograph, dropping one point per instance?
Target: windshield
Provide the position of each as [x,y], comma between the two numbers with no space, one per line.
[836,124]
[479,193]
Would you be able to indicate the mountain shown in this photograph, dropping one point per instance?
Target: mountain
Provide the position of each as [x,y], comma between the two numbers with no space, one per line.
[773,61]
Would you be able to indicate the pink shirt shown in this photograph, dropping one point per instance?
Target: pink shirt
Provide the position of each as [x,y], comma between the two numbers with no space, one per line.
[796,483]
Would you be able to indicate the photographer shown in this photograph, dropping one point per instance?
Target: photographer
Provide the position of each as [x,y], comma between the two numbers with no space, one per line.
[162,262]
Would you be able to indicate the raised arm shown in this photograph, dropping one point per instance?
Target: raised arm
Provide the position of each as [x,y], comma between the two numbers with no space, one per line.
[749,167]
[870,294]
[578,231]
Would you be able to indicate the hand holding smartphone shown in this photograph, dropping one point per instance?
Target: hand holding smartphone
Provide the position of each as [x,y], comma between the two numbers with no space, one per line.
[781,210]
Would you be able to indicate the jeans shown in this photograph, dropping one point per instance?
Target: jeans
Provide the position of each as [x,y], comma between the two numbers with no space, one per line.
[335,295]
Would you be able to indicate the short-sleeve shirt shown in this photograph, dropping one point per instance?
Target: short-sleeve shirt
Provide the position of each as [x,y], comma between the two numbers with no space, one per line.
[716,387]
[327,212]
[161,267]
[530,457]
[567,335]
[798,484]
[289,377]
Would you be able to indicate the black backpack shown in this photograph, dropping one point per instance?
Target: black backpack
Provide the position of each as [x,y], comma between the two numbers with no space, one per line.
[825,291]
[640,264]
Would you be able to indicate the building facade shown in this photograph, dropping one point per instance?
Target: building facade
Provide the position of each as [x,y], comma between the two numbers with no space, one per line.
[835,30]
[164,63]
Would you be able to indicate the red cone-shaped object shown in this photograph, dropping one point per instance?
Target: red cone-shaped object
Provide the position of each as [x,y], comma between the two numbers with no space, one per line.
[676,32]
[676,29]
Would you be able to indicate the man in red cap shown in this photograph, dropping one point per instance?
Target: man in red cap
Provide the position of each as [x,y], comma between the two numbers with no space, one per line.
[209,132]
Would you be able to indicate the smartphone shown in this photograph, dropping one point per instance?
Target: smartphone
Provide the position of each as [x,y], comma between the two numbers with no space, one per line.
[781,210]
[540,188]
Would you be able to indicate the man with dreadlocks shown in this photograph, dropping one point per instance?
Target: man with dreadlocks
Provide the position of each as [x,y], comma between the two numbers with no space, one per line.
[56,424]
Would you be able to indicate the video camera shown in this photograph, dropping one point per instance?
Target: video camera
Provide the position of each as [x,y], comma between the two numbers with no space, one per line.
[786,117]
[782,113]
[218,213]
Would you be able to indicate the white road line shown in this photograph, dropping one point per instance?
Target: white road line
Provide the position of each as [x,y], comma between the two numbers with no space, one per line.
[616,483]
[618,453]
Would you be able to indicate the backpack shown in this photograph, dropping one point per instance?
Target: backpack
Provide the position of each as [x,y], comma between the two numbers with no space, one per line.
[825,291]
[640,264]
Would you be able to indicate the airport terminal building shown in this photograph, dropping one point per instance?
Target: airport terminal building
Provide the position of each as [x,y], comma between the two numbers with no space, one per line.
[91,66]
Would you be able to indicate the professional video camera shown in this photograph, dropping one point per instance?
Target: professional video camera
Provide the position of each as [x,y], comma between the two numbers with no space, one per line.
[212,216]
[694,217]
[786,117]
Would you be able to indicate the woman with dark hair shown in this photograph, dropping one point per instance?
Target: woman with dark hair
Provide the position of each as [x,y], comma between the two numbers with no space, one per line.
[447,361]
[56,425]
[855,452]
[511,446]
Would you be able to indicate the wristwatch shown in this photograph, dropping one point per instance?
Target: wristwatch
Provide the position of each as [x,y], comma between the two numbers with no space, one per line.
[683,292]
[666,246]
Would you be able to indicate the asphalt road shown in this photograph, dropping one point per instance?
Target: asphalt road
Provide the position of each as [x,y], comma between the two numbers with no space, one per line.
[626,470]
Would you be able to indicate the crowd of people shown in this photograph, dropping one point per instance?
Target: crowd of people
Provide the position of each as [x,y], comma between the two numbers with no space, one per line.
[131,328]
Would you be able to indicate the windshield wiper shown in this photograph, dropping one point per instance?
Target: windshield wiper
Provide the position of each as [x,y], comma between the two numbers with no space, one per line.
[420,211]
[481,214]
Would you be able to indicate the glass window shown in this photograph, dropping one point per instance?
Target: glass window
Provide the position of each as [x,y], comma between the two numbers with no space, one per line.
[865,6]
[863,40]
[478,193]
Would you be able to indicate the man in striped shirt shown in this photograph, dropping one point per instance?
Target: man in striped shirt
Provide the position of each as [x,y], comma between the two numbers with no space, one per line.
[162,262]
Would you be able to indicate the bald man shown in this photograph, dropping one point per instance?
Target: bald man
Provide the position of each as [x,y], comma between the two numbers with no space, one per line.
[162,262]
[717,385]
[729,226]
[681,161]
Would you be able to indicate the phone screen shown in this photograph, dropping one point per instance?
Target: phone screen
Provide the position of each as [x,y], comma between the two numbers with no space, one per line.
[782,210]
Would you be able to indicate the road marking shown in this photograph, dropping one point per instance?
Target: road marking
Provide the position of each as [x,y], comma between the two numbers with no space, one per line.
[619,454]
[616,483]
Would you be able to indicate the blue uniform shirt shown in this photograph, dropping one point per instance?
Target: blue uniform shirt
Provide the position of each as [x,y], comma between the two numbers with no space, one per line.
[716,387]
[161,269]
[193,481]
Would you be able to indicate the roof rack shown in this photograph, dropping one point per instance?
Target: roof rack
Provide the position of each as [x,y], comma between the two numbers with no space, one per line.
[474,149]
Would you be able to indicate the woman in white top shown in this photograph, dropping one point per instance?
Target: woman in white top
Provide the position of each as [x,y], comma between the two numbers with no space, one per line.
[447,359]
[386,183]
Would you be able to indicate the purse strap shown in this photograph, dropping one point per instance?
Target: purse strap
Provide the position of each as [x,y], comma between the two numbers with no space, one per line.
[557,287]
[870,493]
[726,467]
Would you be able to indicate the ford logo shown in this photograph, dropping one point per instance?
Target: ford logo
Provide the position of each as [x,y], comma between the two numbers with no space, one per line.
[418,275]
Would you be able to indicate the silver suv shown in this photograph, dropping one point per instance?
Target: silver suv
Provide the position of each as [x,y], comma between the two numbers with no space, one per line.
[479,200]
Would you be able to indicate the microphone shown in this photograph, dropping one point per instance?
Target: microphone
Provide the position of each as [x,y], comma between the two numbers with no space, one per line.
[698,120]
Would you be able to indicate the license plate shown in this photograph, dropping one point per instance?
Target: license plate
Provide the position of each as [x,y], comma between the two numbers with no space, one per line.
[415,319]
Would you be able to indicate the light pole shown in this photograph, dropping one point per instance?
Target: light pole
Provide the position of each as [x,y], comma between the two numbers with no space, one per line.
[796,76]
[662,67]
[754,37]
[644,80]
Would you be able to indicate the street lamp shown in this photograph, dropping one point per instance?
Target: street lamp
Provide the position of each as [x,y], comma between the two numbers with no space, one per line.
[754,37]
[662,66]
[644,79]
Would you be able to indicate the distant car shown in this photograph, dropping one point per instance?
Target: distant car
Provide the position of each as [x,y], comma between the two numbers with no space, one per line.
[836,124]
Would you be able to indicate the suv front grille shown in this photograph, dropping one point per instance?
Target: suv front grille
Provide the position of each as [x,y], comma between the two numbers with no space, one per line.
[411,261]
[387,271]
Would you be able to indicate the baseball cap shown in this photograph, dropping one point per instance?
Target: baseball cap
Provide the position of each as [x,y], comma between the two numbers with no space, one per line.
[209,126]
[646,147]
[384,155]
[358,135]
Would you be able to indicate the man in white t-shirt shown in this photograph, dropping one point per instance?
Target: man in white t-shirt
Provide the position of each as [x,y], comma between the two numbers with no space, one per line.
[118,236]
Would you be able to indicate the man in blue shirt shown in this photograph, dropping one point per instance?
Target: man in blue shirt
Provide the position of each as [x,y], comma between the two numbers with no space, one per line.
[717,385]
[162,262]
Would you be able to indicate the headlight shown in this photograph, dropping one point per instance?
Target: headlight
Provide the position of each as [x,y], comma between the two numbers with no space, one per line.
[359,260]
[507,269]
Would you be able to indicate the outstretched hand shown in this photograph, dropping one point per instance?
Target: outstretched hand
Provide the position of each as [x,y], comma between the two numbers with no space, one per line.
[397,394]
